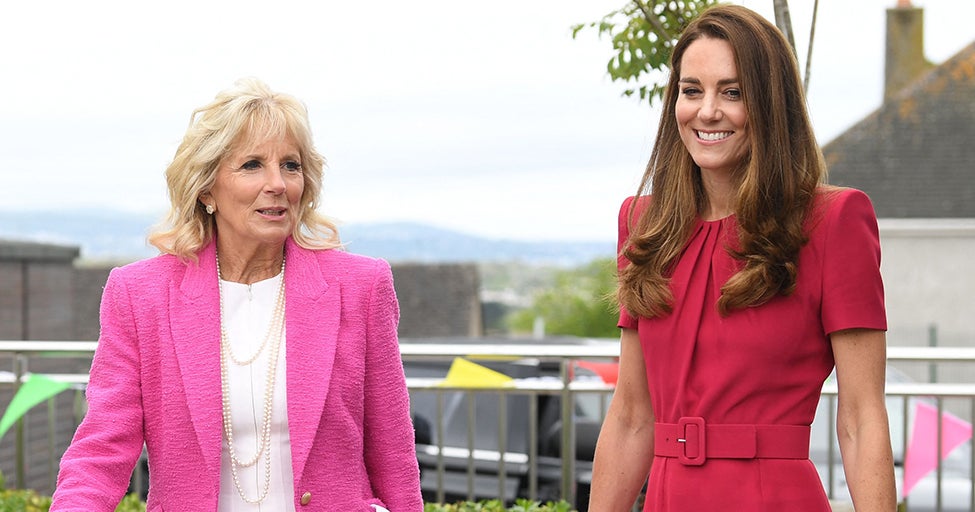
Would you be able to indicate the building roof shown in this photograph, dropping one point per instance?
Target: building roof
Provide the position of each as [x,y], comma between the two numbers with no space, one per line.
[915,155]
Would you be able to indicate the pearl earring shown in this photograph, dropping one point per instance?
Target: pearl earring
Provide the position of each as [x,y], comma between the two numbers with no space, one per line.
[210,209]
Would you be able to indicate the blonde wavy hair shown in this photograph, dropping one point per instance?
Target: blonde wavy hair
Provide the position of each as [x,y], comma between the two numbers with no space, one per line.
[249,107]
[776,180]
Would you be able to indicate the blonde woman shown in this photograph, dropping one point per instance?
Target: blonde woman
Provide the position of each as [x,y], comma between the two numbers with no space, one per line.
[256,361]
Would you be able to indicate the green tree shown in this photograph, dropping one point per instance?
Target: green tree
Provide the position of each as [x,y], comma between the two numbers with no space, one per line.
[643,34]
[579,303]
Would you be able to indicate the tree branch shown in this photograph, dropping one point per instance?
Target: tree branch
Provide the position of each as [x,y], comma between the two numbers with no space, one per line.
[812,32]
[653,20]
[784,22]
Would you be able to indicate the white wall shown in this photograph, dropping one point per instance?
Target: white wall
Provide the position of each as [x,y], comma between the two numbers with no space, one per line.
[929,277]
[928,267]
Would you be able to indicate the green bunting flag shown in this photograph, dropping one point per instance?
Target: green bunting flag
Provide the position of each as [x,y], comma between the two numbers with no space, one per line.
[35,389]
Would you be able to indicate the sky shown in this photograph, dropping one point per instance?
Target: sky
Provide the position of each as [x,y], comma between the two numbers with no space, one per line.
[486,118]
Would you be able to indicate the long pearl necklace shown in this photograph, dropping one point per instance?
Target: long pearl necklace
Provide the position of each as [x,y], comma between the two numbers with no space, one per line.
[272,338]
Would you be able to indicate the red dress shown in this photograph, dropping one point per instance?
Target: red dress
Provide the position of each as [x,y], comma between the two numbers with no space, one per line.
[763,365]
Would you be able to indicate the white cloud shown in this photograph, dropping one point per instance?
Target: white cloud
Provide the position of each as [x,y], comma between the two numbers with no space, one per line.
[485,117]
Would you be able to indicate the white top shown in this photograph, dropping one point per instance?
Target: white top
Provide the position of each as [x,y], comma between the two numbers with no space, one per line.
[248,310]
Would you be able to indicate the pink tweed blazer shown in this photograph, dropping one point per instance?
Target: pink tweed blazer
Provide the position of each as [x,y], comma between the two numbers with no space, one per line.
[155,379]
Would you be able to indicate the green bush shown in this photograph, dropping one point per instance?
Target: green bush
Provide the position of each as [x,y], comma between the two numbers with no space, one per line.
[23,501]
[26,500]
[16,500]
[12,500]
[521,505]
[131,503]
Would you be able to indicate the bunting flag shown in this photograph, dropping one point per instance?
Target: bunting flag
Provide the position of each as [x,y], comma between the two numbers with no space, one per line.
[608,372]
[922,451]
[465,374]
[35,389]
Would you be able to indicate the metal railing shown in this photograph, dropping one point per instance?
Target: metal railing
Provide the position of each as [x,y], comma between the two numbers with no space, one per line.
[502,463]
[908,393]
[565,387]
[938,393]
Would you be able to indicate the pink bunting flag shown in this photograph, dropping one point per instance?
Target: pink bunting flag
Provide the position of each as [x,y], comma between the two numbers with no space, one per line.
[921,457]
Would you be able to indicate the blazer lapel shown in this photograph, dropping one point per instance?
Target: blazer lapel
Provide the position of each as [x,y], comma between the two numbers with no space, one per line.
[195,324]
[312,309]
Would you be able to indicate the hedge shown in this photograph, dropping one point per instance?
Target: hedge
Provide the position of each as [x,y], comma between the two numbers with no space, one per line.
[15,500]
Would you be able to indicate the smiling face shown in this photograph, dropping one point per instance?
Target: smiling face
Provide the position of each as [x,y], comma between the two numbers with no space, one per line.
[257,194]
[711,115]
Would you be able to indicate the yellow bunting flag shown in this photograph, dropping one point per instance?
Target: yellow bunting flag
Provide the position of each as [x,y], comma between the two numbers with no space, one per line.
[465,374]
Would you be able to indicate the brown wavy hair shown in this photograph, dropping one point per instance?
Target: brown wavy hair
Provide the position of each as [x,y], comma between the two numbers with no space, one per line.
[776,180]
[250,107]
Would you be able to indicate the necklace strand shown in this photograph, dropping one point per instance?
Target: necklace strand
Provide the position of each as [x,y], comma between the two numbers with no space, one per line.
[276,318]
[273,338]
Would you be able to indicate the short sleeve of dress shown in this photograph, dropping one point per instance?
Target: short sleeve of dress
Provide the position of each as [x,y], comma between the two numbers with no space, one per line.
[626,321]
[853,290]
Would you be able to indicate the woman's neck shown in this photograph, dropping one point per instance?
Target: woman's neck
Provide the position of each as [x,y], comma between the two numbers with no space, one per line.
[717,211]
[721,191]
[249,267]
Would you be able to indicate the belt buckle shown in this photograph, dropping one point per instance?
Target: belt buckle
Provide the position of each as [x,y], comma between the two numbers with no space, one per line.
[692,439]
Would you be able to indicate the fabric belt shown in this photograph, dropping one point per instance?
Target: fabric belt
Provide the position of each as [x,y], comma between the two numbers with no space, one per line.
[692,442]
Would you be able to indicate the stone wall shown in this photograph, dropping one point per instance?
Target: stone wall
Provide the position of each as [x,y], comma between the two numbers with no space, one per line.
[89,283]
[38,283]
[438,300]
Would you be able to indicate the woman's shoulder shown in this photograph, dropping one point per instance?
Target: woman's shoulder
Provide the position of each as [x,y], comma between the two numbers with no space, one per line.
[638,202]
[145,280]
[632,208]
[840,208]
[357,275]
[832,197]
[149,268]
[341,263]
[340,255]
[831,202]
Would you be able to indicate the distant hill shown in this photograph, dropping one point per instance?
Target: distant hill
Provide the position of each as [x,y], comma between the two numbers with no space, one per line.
[111,235]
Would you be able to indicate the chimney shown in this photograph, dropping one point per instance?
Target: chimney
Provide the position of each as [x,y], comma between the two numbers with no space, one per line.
[905,47]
